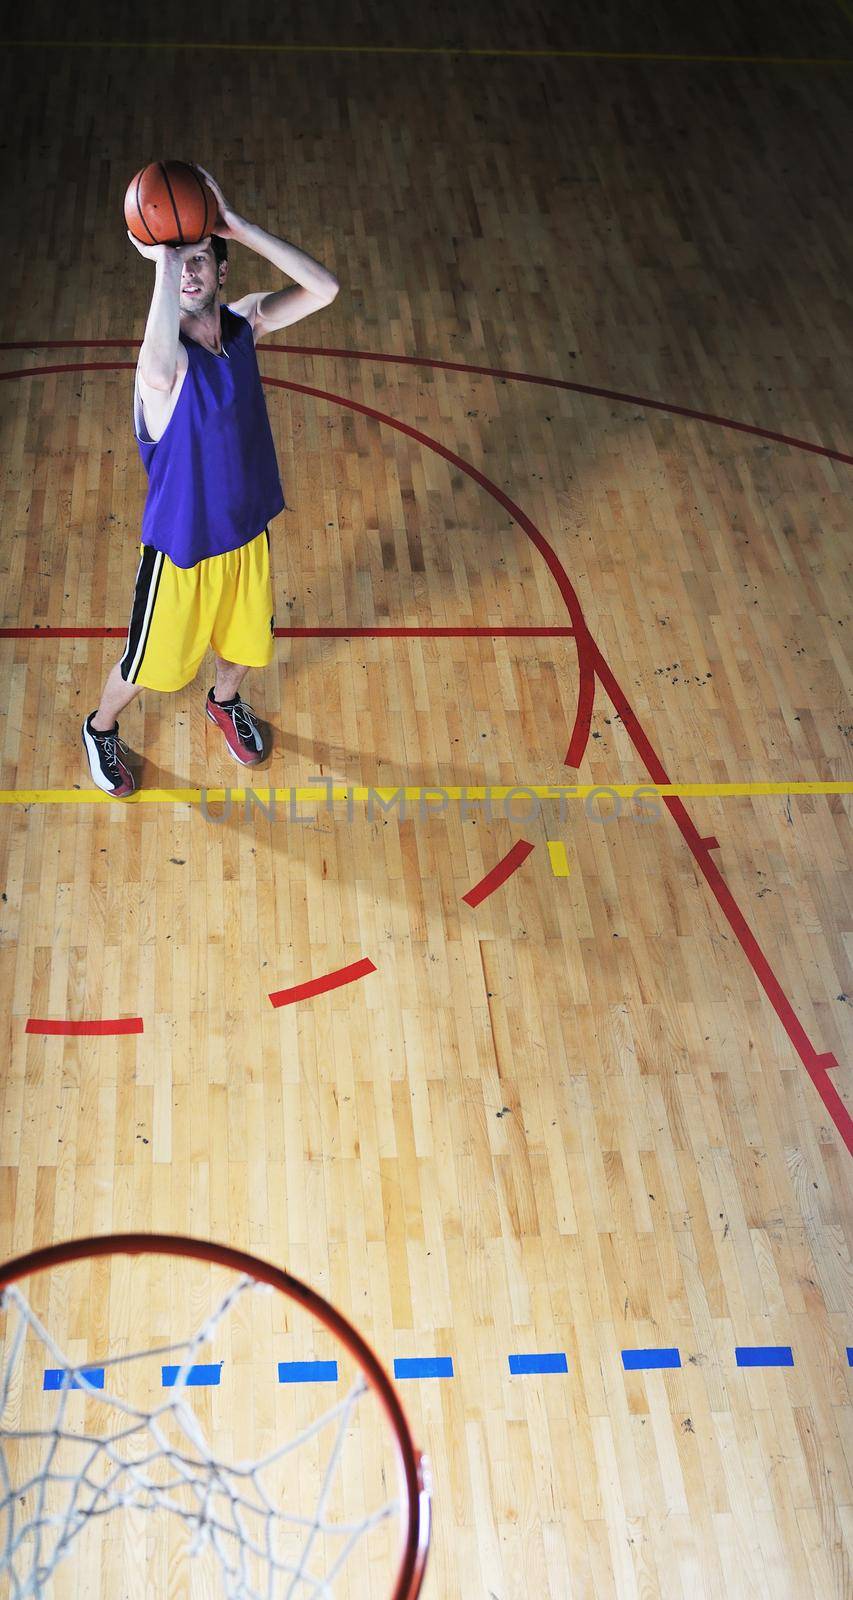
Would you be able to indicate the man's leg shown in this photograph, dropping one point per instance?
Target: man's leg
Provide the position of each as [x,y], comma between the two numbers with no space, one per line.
[166,640]
[236,721]
[228,680]
[243,631]
[101,742]
[116,695]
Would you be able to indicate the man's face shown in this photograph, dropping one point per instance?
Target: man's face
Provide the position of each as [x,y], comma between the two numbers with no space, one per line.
[200,280]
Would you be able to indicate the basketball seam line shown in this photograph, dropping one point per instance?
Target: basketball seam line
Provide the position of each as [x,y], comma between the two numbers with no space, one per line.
[172,199]
[204,194]
[140,212]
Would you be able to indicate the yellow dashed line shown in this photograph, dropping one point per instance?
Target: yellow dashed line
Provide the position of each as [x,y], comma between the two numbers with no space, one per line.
[559,859]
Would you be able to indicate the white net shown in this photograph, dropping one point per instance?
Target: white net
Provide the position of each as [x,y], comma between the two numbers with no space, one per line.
[284,1525]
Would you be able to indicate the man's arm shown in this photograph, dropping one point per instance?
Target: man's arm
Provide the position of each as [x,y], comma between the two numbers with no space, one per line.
[161,352]
[314,285]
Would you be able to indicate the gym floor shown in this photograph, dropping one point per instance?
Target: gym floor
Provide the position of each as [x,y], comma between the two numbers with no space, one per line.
[569,470]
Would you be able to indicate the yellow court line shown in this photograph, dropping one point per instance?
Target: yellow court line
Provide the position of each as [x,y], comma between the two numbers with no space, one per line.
[420,50]
[433,795]
[559,859]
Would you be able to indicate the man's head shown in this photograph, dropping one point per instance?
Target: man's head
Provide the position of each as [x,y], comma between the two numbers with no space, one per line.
[204,273]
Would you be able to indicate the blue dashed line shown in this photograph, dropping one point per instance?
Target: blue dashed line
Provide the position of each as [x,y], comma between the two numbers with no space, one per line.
[554,1361]
[60,1378]
[764,1355]
[523,1364]
[308,1372]
[423,1367]
[203,1377]
[645,1360]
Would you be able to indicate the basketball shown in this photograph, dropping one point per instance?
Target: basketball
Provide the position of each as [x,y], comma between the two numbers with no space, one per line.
[168,202]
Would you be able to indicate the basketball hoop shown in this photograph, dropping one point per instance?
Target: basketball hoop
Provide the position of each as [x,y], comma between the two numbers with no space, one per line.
[306,1511]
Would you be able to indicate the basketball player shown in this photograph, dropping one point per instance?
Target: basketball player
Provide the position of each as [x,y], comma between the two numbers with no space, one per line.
[213,485]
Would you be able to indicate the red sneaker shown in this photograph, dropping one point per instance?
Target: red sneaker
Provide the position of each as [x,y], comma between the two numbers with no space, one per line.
[240,728]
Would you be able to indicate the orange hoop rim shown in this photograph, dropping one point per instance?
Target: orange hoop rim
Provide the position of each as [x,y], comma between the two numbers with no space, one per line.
[413,1466]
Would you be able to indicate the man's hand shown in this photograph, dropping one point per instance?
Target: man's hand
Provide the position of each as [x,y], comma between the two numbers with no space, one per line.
[222,226]
[166,252]
[314,285]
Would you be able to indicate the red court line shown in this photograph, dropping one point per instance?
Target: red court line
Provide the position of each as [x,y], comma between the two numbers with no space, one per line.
[113,1025]
[544,632]
[499,873]
[563,383]
[330,980]
[586,701]
[63,633]
[815,1062]
[70,344]
[589,653]
[318,633]
[617,395]
[811,1059]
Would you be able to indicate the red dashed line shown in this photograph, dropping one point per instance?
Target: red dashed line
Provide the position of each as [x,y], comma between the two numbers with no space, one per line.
[99,1029]
[503,869]
[329,980]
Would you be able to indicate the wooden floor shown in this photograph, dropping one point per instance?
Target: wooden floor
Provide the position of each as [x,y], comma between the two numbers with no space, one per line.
[594,1113]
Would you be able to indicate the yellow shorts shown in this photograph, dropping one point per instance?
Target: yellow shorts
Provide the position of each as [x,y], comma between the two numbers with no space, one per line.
[224,601]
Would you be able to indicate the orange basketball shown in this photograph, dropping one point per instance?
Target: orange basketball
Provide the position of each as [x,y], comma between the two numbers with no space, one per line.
[168,202]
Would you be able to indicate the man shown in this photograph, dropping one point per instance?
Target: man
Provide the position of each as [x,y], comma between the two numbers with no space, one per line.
[213,486]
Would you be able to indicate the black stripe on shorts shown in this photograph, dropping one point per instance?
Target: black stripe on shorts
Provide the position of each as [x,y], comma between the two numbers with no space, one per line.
[142,614]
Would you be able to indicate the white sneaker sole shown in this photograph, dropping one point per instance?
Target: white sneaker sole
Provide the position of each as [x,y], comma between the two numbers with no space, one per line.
[98,777]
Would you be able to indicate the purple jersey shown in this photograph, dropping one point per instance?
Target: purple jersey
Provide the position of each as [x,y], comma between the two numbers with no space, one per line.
[213,480]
